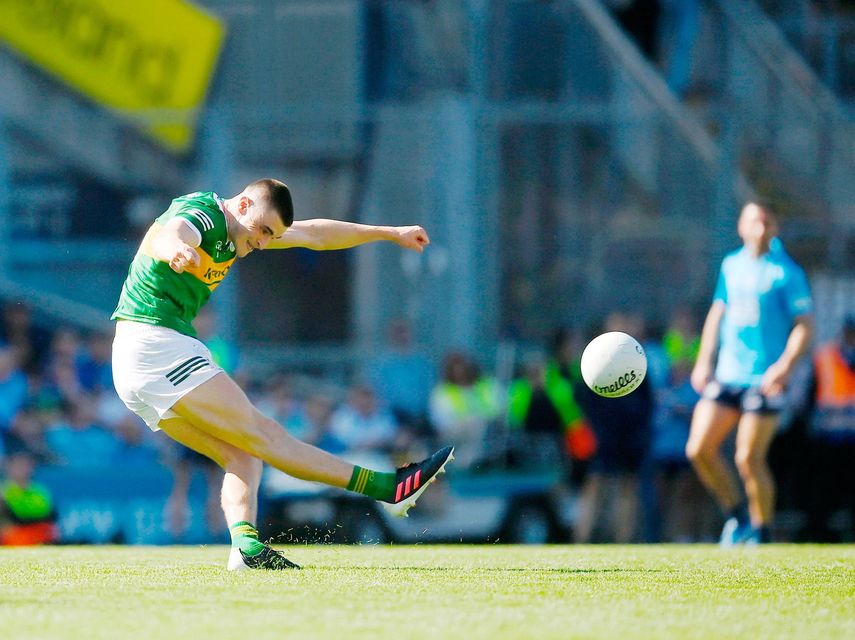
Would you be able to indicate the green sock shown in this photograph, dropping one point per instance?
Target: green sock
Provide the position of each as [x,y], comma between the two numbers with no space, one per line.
[245,537]
[374,484]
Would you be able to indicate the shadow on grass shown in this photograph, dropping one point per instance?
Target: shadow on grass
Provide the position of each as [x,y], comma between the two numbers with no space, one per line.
[506,570]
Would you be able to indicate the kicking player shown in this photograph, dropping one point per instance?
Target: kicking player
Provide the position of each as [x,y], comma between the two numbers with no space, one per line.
[760,324]
[167,377]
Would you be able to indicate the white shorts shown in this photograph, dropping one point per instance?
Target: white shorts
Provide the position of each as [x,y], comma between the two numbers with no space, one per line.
[154,367]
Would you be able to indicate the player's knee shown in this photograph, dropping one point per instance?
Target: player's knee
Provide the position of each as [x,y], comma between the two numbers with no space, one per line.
[748,462]
[243,464]
[695,451]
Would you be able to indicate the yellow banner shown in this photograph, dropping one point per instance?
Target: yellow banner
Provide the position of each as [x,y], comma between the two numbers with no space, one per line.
[149,60]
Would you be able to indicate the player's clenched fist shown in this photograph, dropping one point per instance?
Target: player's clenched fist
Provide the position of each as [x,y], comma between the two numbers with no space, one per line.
[415,238]
[184,256]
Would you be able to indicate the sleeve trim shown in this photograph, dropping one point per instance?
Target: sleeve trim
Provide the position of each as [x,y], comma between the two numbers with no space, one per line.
[203,218]
[192,226]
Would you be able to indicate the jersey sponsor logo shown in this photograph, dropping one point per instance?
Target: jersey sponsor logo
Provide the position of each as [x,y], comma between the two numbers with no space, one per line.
[211,274]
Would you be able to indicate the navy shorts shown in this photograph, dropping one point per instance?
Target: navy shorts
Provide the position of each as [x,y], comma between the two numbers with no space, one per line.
[744,399]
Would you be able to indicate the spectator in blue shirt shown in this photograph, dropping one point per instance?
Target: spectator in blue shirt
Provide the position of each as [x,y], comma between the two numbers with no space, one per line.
[360,424]
[13,388]
[95,369]
[81,441]
[403,376]
[29,342]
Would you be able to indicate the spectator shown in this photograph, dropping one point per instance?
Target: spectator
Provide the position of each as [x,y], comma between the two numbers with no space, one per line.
[566,348]
[27,514]
[622,427]
[658,366]
[682,338]
[27,432]
[541,404]
[62,372]
[13,389]
[31,343]
[565,362]
[834,366]
[361,425]
[279,402]
[133,447]
[463,406]
[686,512]
[832,441]
[403,377]
[78,440]
[95,370]
[317,426]
[44,398]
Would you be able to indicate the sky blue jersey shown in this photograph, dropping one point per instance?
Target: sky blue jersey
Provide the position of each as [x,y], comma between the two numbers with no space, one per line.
[762,297]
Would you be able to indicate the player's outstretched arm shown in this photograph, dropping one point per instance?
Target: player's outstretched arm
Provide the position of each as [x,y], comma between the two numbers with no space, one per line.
[322,234]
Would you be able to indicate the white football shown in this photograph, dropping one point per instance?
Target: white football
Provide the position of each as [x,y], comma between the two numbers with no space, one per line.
[613,364]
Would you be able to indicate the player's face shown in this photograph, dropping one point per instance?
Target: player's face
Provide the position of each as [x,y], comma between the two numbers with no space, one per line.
[259,225]
[757,226]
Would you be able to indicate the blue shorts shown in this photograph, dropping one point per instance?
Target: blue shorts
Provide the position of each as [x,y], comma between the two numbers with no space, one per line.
[743,399]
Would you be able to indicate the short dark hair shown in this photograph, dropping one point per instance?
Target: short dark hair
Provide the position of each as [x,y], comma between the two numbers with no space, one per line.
[278,196]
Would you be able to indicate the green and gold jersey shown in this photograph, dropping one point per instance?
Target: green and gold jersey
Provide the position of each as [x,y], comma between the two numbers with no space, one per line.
[153,293]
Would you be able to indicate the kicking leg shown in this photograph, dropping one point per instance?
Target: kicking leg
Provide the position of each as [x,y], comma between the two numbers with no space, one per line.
[221,409]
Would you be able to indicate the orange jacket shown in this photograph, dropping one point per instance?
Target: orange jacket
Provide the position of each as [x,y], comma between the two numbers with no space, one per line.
[835,381]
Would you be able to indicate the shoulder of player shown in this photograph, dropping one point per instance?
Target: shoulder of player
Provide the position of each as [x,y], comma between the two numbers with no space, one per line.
[204,208]
[785,260]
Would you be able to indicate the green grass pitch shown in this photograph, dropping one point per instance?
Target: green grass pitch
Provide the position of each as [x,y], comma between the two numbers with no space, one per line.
[436,592]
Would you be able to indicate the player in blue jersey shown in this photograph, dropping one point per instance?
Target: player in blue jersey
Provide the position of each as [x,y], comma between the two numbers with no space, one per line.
[759,325]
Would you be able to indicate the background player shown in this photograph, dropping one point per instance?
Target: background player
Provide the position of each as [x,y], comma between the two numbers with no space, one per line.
[760,324]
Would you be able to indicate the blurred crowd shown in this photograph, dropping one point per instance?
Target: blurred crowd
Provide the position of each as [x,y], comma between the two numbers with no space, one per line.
[621,460]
